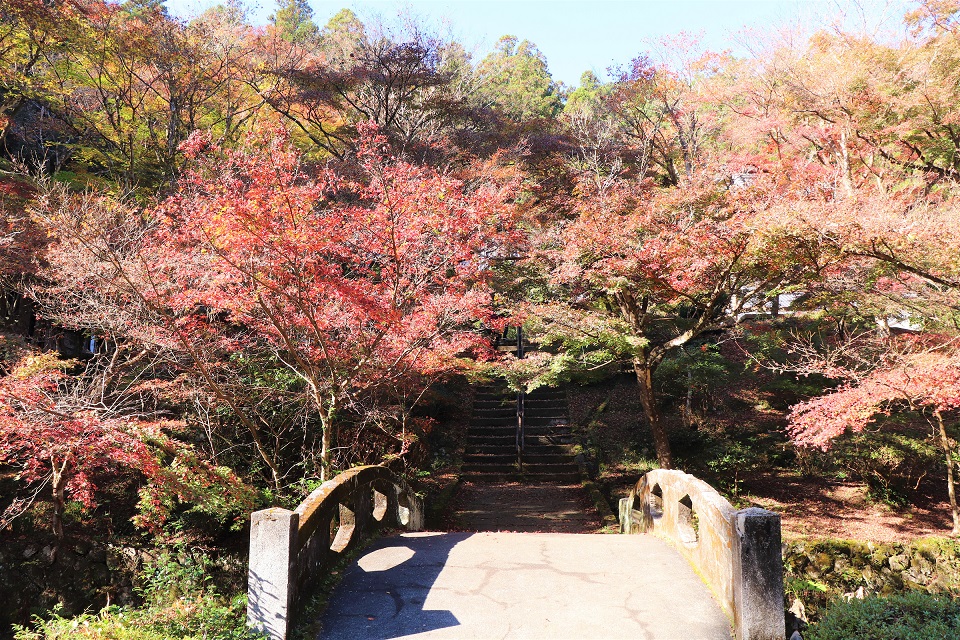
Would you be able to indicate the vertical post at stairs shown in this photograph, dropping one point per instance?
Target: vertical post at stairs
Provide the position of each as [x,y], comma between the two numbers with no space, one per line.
[521,401]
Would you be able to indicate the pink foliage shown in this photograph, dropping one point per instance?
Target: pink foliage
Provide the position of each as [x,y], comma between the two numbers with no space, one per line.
[377,274]
[927,380]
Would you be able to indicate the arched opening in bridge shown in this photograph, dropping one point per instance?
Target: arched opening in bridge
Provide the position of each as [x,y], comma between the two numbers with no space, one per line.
[656,502]
[380,503]
[342,525]
[403,509]
[688,522]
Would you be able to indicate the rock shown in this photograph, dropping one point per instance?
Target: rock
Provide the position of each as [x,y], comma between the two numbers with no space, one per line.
[122,559]
[798,610]
[48,554]
[912,585]
[80,547]
[923,566]
[823,562]
[30,551]
[98,555]
[800,562]
[899,562]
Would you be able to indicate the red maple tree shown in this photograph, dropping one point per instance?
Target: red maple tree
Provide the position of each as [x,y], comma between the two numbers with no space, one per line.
[353,281]
[54,431]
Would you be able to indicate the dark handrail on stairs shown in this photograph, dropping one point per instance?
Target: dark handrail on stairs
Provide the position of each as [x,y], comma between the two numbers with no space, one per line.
[521,401]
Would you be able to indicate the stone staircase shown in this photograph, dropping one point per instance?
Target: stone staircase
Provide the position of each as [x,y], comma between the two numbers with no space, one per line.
[491,452]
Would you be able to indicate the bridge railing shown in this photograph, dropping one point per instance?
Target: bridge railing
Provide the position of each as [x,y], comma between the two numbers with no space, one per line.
[289,549]
[736,552]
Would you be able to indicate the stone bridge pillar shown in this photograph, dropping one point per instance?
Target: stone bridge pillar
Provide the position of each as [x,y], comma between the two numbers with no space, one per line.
[758,576]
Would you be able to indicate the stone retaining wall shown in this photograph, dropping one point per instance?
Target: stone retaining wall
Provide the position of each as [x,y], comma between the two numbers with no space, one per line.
[819,570]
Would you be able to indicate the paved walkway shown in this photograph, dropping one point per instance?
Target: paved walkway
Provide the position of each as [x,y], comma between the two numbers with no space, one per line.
[522,585]
[512,506]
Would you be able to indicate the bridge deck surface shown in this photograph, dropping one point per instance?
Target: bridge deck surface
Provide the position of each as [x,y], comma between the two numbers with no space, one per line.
[522,585]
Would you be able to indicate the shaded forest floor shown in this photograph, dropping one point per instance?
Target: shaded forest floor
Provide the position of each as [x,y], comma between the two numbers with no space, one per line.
[740,447]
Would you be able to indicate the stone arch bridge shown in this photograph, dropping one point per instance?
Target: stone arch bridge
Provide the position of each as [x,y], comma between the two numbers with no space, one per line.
[696,568]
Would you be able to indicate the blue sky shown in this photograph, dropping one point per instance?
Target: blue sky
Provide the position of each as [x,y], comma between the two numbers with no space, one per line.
[579,35]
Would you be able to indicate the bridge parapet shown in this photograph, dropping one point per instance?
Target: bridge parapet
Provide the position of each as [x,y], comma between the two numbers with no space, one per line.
[289,549]
[737,553]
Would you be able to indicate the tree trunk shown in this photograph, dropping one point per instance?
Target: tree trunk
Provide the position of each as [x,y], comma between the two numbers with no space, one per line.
[326,445]
[951,489]
[649,401]
[58,483]
[325,454]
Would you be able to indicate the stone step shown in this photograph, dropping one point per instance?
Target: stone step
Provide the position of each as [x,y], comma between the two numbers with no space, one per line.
[489,437]
[493,449]
[474,447]
[499,431]
[566,478]
[532,430]
[547,449]
[546,402]
[491,429]
[546,458]
[558,478]
[548,440]
[489,422]
[504,444]
[544,410]
[480,476]
[473,459]
[489,468]
[509,403]
[494,412]
[567,466]
[541,394]
[541,419]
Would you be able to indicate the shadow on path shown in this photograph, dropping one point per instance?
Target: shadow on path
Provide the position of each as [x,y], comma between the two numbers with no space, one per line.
[382,595]
[523,586]
[529,507]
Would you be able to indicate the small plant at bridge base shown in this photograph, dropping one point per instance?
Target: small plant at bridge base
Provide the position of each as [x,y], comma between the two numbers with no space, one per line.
[911,616]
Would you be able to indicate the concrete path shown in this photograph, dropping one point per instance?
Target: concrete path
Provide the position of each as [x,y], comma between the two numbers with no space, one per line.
[522,585]
[514,506]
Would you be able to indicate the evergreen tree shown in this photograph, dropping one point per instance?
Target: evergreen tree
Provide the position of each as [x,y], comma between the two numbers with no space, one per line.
[294,21]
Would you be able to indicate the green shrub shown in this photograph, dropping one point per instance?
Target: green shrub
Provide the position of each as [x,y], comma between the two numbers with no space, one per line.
[180,603]
[910,616]
[204,617]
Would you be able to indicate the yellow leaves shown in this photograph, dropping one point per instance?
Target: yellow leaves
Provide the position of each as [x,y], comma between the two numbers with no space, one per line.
[40,363]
